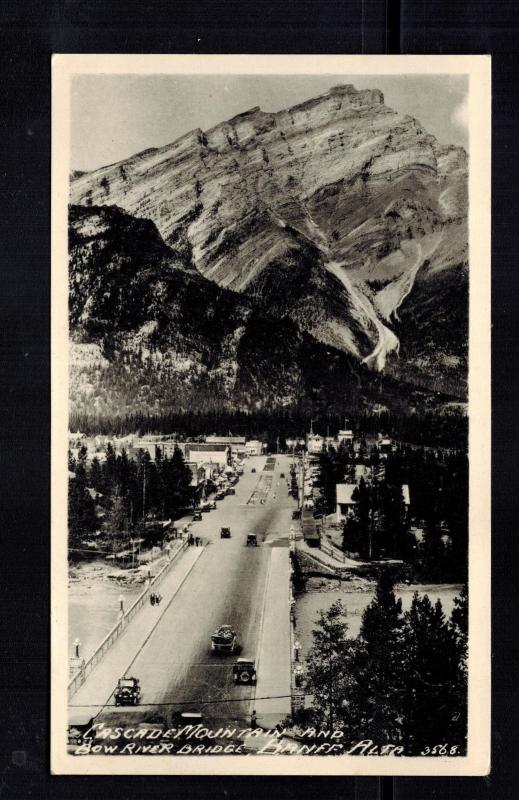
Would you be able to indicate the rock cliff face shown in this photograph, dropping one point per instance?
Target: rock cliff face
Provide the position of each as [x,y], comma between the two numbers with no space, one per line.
[151,335]
[327,213]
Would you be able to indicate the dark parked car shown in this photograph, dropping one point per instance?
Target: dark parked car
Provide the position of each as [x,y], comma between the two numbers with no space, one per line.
[231,490]
[296,514]
[281,474]
[253,469]
[252,539]
[244,671]
[197,515]
[219,495]
[225,533]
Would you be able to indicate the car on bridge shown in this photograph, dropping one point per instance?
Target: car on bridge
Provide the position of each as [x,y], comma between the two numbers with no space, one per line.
[244,671]
[80,722]
[197,515]
[225,533]
[219,495]
[128,692]
[252,540]
[224,640]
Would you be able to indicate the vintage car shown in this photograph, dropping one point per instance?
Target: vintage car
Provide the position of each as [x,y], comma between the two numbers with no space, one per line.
[128,692]
[223,640]
[244,671]
[252,539]
[281,474]
[219,495]
[212,505]
[225,533]
[296,514]
[80,724]
[231,490]
[253,469]
[197,515]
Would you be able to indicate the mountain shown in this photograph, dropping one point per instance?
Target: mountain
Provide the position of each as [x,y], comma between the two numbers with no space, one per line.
[149,334]
[339,214]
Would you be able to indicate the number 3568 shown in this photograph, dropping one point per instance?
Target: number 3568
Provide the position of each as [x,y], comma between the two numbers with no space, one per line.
[441,750]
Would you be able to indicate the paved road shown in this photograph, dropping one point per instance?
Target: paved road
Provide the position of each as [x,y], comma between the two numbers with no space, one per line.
[226,585]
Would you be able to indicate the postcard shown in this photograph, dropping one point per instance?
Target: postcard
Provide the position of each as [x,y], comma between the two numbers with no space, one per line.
[271,415]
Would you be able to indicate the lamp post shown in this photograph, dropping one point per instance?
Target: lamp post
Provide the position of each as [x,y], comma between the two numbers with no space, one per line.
[77,645]
[297,647]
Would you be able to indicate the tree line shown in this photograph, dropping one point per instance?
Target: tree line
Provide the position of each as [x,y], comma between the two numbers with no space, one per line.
[402,681]
[120,495]
[273,424]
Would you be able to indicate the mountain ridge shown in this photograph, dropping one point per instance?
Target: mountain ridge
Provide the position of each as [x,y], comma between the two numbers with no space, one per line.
[326,213]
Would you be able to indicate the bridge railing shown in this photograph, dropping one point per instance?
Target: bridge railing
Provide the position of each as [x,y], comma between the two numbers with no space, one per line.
[87,666]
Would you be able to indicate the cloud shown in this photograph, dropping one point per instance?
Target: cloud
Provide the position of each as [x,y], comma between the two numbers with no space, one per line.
[460,115]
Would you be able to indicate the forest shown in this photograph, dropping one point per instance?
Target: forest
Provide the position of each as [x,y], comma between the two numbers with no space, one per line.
[402,681]
[121,497]
[380,523]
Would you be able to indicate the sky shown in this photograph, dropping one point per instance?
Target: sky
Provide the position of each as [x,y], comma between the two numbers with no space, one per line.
[116,116]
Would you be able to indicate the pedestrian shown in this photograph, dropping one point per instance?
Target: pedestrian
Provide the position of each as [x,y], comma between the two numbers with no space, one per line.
[152,598]
[197,541]
[253,719]
[158,599]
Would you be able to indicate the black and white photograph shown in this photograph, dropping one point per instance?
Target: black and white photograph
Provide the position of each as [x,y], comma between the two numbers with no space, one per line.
[271,415]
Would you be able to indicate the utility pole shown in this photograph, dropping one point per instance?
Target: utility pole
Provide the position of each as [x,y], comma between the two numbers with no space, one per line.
[144,490]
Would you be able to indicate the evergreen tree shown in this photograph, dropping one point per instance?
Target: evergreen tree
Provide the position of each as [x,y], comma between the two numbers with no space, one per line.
[433,554]
[375,698]
[96,477]
[460,617]
[82,518]
[362,518]
[109,468]
[434,699]
[395,539]
[177,483]
[118,519]
[328,670]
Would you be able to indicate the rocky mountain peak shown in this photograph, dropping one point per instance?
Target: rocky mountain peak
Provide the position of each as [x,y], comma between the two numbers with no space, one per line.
[328,211]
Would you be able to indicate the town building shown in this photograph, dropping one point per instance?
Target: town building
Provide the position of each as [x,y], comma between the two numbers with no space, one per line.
[314,443]
[206,453]
[254,447]
[344,500]
[232,441]
[345,436]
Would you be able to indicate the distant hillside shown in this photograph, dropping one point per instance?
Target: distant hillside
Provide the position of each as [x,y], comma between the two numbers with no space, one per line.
[149,334]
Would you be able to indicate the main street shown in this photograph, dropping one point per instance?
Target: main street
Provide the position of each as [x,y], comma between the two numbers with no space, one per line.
[227,585]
